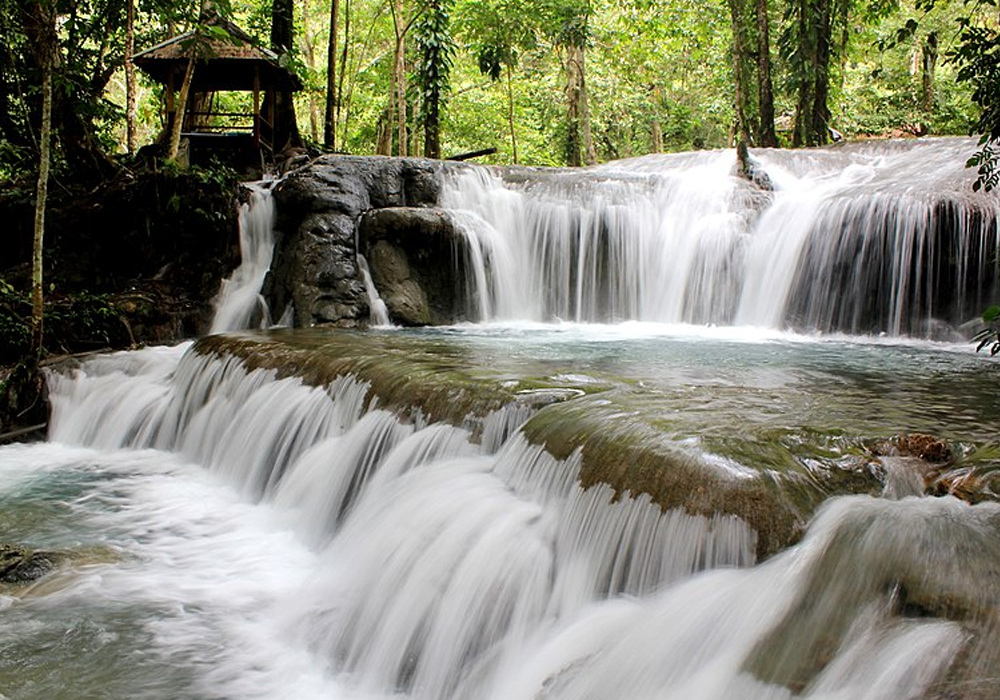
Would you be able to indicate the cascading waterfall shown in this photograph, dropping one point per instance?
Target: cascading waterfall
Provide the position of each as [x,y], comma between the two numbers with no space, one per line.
[239,304]
[446,568]
[238,533]
[885,238]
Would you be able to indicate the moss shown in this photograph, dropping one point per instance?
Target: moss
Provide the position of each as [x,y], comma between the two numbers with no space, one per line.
[774,478]
[401,379]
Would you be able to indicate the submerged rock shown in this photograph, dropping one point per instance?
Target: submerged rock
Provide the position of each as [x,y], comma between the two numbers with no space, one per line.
[921,445]
[915,567]
[915,464]
[21,565]
[595,424]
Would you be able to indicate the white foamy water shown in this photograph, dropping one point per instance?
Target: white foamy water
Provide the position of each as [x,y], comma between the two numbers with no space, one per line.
[239,304]
[229,534]
[240,536]
[861,239]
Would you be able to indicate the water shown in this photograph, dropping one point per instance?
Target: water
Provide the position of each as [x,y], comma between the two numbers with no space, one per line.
[239,304]
[232,532]
[861,239]
[260,538]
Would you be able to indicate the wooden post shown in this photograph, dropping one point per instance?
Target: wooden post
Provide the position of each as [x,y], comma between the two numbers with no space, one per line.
[256,107]
[171,115]
[275,146]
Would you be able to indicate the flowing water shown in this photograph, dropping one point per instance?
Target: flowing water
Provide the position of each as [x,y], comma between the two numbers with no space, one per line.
[233,532]
[863,238]
[239,304]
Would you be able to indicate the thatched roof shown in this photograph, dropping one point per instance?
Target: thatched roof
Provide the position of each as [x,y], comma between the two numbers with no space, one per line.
[223,64]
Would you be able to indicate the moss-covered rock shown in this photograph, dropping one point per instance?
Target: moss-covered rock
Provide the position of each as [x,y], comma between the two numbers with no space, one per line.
[20,565]
[605,420]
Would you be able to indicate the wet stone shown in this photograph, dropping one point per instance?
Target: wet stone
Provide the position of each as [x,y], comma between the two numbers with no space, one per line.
[22,565]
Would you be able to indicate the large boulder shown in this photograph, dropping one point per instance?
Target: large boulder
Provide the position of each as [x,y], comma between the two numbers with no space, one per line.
[412,254]
[315,267]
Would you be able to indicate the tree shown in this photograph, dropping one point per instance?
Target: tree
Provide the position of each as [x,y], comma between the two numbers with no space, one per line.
[978,57]
[332,102]
[283,44]
[568,24]
[400,28]
[435,49]
[46,46]
[766,135]
[499,32]
[177,125]
[742,77]
[131,128]
[929,57]
[806,47]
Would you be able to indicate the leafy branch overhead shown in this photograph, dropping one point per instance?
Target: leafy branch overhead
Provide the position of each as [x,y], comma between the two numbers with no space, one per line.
[989,336]
[566,80]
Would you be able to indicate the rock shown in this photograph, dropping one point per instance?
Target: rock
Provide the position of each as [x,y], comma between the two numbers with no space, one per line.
[22,565]
[926,447]
[412,256]
[321,208]
[917,463]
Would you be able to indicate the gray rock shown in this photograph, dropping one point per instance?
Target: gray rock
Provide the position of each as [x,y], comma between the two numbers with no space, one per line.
[320,208]
[412,254]
[22,565]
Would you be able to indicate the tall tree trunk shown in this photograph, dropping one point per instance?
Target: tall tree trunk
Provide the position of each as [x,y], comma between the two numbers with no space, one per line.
[820,121]
[800,133]
[47,50]
[330,125]
[434,51]
[510,112]
[656,126]
[741,89]
[432,130]
[812,114]
[399,81]
[589,152]
[766,135]
[656,135]
[286,130]
[307,45]
[930,56]
[180,109]
[131,126]
[574,98]
[282,27]
[804,60]
[383,132]
[339,103]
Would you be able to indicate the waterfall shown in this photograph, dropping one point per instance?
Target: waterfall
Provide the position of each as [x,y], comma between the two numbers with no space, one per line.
[239,304]
[378,313]
[231,529]
[446,568]
[859,239]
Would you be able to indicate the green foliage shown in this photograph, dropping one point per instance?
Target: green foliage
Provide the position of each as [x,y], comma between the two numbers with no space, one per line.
[989,336]
[73,322]
[978,57]
[498,33]
[986,161]
[15,319]
[660,66]
[435,49]
[566,22]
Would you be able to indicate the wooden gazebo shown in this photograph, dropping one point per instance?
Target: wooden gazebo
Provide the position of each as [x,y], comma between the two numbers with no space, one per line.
[222,64]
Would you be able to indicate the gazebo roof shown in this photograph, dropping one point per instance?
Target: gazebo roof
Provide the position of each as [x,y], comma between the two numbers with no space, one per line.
[223,65]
